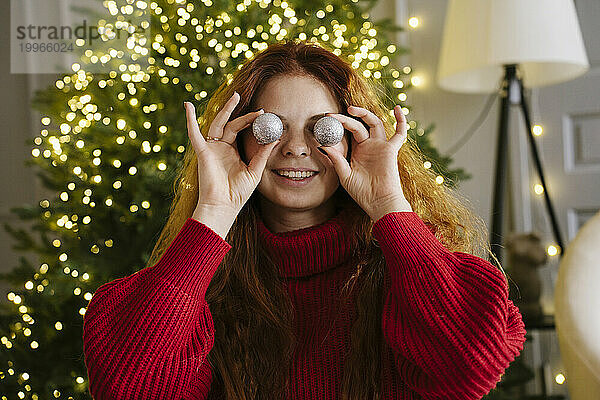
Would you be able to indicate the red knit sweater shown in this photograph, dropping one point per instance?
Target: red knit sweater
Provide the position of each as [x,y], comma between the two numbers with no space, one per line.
[450,330]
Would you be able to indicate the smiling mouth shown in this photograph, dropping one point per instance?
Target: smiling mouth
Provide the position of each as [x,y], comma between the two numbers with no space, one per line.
[295,175]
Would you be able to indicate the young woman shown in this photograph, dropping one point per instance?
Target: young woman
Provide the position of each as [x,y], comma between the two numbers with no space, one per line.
[360,281]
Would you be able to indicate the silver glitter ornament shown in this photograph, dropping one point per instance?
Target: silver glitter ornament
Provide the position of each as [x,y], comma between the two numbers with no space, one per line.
[267,128]
[328,131]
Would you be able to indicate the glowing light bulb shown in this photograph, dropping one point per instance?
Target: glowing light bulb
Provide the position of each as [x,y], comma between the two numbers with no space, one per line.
[537,130]
[413,22]
[416,80]
[538,189]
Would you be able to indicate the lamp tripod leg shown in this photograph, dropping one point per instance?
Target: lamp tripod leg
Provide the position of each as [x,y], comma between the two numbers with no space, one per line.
[540,171]
[501,165]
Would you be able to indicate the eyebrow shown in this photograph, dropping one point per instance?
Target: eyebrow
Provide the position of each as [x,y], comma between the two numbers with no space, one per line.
[316,116]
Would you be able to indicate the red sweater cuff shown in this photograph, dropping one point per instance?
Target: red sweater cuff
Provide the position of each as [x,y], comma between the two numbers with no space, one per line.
[191,260]
[405,238]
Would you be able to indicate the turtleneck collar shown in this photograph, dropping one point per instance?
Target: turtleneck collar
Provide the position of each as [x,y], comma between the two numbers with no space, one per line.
[311,250]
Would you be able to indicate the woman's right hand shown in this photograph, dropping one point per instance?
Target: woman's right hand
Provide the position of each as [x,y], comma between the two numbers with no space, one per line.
[225,181]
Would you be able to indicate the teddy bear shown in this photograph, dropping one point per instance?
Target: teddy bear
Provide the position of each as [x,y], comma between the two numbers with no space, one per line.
[525,255]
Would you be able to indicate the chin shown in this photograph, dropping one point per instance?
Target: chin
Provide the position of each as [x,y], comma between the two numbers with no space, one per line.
[297,203]
[310,197]
[291,200]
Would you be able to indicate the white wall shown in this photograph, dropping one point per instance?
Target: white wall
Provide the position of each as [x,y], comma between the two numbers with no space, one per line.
[19,184]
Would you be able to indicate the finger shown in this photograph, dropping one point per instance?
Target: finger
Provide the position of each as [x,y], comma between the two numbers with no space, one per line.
[257,164]
[342,168]
[216,127]
[401,133]
[198,142]
[377,129]
[232,128]
[358,130]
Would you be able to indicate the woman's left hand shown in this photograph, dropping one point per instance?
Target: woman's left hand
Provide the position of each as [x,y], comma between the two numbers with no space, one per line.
[372,177]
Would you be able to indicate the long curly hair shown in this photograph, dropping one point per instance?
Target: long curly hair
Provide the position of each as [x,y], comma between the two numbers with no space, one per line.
[251,310]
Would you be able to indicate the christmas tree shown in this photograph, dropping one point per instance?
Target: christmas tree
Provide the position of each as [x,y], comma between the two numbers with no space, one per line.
[109,147]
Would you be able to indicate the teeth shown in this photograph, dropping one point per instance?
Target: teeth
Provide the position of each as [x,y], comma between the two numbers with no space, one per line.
[295,174]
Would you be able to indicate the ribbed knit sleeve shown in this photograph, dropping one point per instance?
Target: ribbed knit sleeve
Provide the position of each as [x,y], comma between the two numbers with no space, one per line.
[146,335]
[447,317]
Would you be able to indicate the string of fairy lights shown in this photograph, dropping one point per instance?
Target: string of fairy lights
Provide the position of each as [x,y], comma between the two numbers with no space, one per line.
[83,112]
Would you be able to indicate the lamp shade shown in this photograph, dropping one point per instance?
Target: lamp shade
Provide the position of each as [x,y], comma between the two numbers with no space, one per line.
[480,36]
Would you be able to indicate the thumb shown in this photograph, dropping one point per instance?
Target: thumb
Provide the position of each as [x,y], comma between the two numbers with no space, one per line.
[256,166]
[342,168]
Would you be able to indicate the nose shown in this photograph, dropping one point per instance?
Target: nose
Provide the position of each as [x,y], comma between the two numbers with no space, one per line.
[295,143]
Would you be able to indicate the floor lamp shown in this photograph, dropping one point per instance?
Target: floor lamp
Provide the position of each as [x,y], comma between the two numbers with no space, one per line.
[518,43]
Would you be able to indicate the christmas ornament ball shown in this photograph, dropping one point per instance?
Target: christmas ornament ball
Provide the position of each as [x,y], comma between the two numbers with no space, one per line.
[328,131]
[267,128]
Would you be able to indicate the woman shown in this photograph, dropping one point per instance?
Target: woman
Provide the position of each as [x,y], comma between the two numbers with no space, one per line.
[356,282]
